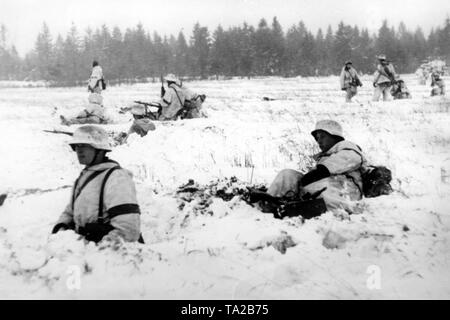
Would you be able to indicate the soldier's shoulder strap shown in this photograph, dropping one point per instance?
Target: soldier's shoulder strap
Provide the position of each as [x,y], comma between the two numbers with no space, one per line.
[102,191]
[388,73]
[178,96]
[76,192]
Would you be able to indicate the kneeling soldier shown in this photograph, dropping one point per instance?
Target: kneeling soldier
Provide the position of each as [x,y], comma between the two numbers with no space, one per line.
[335,181]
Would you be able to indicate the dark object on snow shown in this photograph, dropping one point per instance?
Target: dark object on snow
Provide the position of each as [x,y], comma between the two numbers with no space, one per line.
[60,131]
[308,206]
[188,189]
[268,99]
[258,195]
[163,90]
[2,198]
[95,231]
[190,186]
[376,182]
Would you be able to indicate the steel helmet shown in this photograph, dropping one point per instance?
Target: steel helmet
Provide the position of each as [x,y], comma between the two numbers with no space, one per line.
[171,77]
[91,135]
[381,57]
[330,126]
[347,62]
[138,110]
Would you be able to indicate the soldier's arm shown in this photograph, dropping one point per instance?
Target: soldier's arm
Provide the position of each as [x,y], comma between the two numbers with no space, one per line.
[376,76]
[65,220]
[342,79]
[318,173]
[121,205]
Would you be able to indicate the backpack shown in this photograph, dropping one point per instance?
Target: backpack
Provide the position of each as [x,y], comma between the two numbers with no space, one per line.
[376,181]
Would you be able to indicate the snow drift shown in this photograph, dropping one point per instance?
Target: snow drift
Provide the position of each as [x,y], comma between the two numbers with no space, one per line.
[393,247]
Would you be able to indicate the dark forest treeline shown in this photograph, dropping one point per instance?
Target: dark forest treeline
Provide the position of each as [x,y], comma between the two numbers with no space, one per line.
[237,51]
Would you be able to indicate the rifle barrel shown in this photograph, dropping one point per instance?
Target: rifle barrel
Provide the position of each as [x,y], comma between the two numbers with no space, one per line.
[149,104]
[60,131]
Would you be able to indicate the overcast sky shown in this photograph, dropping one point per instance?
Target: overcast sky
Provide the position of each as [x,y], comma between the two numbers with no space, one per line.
[24,18]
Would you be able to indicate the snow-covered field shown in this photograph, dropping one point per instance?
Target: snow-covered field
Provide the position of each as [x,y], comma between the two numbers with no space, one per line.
[394,247]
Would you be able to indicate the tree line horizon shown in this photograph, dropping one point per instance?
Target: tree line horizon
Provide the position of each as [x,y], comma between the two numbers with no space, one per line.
[243,50]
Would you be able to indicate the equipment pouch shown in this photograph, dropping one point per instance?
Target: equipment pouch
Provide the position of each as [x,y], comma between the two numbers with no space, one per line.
[307,209]
[376,181]
[95,231]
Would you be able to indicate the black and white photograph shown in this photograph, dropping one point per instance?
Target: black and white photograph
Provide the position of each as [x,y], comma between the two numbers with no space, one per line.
[224,150]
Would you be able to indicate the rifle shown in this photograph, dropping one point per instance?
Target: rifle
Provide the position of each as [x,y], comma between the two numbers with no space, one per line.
[2,198]
[163,91]
[307,206]
[60,131]
[149,104]
[151,115]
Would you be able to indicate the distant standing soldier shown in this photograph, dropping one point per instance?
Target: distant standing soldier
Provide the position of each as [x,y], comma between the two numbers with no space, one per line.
[96,82]
[384,78]
[422,72]
[423,80]
[350,81]
[437,84]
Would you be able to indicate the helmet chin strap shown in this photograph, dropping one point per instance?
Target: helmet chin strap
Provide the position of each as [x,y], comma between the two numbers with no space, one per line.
[97,152]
